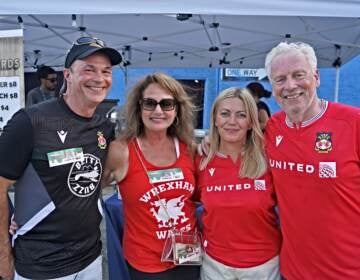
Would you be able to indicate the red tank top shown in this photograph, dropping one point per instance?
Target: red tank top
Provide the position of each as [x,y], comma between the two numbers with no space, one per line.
[146,223]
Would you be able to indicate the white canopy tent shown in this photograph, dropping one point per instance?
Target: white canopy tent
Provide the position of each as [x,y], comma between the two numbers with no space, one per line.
[187,33]
[333,8]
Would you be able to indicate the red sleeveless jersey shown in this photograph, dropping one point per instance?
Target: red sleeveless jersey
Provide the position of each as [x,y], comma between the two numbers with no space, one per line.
[146,223]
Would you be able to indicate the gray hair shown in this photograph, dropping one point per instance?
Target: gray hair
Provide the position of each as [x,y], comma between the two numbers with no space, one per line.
[285,47]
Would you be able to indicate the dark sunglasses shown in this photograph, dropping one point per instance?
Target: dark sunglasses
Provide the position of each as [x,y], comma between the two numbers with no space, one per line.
[88,41]
[52,80]
[149,104]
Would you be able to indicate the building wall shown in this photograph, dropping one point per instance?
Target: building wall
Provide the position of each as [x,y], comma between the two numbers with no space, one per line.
[349,86]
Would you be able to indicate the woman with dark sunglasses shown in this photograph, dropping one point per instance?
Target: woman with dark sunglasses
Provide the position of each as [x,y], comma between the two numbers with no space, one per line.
[153,165]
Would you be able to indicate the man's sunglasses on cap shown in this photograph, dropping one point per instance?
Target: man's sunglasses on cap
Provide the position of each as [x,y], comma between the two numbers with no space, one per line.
[85,46]
[89,40]
[149,104]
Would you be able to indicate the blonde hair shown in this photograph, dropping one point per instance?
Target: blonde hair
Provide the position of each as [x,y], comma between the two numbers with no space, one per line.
[182,127]
[253,162]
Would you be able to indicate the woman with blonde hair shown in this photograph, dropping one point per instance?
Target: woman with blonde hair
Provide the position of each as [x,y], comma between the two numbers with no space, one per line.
[241,234]
[153,165]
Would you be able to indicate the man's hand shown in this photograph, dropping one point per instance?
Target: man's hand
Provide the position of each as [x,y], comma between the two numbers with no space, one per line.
[6,262]
[6,257]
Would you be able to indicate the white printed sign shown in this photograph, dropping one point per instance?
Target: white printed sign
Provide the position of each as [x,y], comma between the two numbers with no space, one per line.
[245,73]
[9,98]
[11,74]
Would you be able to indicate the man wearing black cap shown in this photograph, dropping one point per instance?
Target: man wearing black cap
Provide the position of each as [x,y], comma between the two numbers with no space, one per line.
[57,171]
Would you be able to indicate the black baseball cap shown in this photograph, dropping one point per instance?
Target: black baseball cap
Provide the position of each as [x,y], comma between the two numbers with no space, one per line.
[85,46]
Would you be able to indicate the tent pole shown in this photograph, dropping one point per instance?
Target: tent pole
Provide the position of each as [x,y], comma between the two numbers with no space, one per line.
[337,80]
[337,63]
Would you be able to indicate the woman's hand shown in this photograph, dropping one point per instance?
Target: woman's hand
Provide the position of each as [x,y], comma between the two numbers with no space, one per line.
[204,146]
[13,226]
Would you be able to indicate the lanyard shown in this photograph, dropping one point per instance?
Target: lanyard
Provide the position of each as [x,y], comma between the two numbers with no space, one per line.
[147,174]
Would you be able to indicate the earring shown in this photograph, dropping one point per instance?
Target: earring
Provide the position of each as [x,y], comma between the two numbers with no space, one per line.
[176,121]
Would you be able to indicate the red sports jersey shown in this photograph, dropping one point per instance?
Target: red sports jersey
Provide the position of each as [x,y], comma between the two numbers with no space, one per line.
[146,222]
[316,174]
[239,221]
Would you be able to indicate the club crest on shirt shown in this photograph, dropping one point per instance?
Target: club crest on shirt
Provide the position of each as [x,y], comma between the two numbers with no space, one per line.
[101,140]
[323,143]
